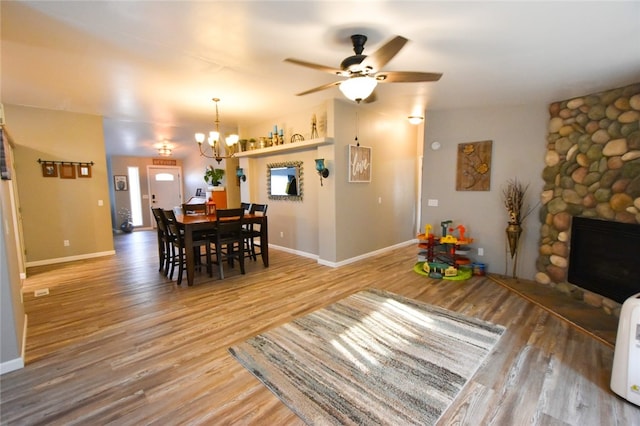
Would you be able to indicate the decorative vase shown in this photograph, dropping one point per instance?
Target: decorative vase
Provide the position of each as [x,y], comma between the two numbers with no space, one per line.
[513,236]
[126,227]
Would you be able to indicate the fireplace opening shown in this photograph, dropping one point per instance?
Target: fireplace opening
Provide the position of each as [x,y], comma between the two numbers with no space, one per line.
[604,257]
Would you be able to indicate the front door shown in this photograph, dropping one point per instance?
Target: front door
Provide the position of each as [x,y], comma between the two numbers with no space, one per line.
[165,187]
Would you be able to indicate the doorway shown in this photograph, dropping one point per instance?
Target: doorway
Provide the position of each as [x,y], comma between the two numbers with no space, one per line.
[165,188]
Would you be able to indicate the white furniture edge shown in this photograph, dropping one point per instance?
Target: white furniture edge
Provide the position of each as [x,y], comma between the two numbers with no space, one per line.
[292,146]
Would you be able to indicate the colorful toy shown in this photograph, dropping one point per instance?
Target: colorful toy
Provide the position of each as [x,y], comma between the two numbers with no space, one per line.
[445,256]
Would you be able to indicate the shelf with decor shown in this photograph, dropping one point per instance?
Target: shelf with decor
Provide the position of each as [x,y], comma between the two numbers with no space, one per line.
[292,146]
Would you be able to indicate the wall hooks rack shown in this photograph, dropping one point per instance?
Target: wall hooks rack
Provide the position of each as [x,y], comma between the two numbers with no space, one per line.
[66,169]
[73,163]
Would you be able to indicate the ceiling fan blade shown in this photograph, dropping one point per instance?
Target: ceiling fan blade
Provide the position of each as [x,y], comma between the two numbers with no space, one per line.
[406,76]
[380,57]
[314,66]
[319,88]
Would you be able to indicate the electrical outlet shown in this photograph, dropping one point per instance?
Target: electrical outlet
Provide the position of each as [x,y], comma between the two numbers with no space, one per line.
[281,234]
[41,292]
[379,200]
[480,251]
[66,243]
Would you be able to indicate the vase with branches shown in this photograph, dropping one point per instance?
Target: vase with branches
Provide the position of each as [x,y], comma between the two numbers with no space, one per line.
[513,197]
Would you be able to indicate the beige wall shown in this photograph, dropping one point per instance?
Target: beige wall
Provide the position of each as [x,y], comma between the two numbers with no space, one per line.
[54,209]
[519,142]
[379,214]
[340,221]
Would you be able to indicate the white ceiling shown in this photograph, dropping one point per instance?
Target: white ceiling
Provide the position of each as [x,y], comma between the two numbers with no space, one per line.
[151,67]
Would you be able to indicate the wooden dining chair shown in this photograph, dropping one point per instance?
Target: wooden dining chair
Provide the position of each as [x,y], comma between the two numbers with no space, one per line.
[177,255]
[228,239]
[253,231]
[164,240]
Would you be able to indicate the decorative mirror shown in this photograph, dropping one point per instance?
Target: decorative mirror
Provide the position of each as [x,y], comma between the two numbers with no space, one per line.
[284,180]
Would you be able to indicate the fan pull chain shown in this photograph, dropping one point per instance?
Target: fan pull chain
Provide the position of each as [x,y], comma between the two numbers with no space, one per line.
[357,143]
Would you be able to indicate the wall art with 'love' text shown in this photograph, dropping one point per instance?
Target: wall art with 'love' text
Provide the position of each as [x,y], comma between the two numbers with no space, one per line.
[359,163]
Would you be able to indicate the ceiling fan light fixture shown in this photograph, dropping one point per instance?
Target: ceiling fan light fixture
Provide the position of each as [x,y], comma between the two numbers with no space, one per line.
[358,88]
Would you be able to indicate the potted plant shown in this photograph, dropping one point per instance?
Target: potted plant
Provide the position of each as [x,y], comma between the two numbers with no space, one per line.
[213,176]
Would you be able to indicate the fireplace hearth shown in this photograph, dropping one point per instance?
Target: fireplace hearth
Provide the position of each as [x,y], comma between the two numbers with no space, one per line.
[604,257]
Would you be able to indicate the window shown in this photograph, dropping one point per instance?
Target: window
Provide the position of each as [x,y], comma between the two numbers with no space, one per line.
[164,177]
[135,197]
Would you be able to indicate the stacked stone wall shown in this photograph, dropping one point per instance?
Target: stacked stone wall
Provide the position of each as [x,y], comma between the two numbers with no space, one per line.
[592,169]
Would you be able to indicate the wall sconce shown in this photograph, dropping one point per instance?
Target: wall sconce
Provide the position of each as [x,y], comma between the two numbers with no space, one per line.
[322,170]
[241,175]
[415,119]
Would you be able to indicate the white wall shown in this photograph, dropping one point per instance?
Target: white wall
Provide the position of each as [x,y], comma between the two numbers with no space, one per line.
[519,142]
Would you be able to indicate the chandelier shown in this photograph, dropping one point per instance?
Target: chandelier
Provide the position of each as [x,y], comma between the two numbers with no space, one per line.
[214,141]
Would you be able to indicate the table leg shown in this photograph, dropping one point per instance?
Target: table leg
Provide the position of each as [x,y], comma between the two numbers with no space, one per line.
[188,252]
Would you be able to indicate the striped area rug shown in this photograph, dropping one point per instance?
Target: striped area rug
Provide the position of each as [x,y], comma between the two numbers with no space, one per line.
[371,358]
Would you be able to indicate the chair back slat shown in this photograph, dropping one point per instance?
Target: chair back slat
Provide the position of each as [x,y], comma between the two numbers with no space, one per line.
[229,222]
[157,214]
[259,209]
[171,223]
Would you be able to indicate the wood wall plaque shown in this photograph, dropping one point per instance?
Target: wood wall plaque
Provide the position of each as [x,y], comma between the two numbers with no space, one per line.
[473,172]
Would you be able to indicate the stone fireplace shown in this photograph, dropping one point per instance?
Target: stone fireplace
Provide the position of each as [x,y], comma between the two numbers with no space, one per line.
[592,169]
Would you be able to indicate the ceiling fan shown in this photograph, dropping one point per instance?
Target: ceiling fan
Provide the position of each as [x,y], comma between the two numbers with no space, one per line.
[364,72]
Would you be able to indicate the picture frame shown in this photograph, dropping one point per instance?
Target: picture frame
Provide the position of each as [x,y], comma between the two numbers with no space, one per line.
[84,170]
[49,169]
[473,172]
[67,171]
[359,164]
[120,183]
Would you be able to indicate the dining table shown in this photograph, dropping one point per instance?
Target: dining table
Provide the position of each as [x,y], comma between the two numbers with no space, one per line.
[207,222]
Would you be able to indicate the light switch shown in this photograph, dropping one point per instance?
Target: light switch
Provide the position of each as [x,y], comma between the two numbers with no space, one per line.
[432,203]
[100,203]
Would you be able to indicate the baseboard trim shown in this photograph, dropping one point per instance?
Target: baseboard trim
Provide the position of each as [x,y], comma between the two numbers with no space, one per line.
[12,365]
[346,261]
[292,251]
[367,255]
[70,258]
[17,363]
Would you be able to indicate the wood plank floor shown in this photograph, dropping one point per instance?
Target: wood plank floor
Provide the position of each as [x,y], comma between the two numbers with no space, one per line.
[116,342]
